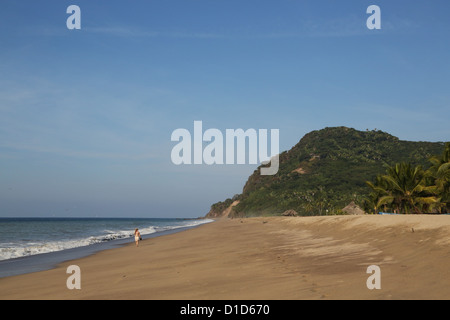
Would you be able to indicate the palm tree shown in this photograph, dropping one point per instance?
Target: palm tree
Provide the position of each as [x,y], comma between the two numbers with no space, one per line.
[379,190]
[408,188]
[439,175]
[404,190]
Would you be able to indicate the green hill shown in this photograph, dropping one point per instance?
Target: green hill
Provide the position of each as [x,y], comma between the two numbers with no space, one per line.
[325,171]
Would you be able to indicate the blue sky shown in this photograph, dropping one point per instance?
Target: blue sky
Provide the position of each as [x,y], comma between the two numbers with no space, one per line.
[86,115]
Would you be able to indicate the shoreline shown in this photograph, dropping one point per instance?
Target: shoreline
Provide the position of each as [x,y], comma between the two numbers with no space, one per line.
[267,258]
[50,260]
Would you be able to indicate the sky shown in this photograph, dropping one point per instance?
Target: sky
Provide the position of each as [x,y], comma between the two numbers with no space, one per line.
[86,115]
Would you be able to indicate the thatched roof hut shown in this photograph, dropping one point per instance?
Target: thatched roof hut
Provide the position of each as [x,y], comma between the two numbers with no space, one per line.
[290,213]
[353,208]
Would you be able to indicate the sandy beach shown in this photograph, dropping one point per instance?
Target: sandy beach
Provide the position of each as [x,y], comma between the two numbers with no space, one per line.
[276,258]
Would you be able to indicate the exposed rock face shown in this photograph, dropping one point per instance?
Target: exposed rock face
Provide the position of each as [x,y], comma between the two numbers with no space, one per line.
[219,213]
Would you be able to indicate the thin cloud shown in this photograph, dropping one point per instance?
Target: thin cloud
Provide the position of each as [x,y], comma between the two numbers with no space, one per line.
[78,153]
[345,27]
[127,31]
[45,120]
[121,31]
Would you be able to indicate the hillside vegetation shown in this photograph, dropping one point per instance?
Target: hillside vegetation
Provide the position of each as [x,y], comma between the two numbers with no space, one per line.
[329,168]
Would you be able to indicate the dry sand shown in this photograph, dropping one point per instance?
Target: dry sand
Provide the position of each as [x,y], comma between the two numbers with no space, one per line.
[264,258]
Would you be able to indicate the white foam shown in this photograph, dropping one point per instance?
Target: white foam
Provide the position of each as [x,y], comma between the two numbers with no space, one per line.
[28,249]
[16,250]
[37,248]
[187,223]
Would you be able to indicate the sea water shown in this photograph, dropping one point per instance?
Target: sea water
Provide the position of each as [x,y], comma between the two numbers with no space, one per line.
[26,243]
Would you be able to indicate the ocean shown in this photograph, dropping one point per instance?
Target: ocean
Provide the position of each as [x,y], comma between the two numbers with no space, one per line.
[34,244]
